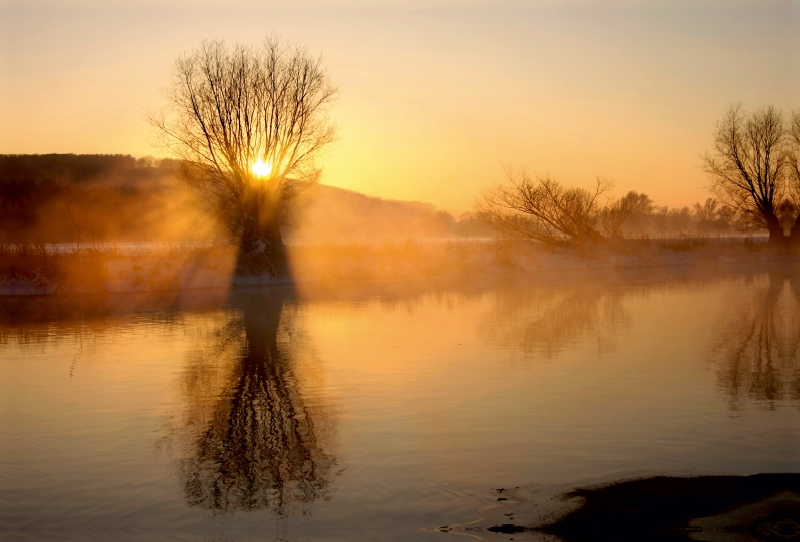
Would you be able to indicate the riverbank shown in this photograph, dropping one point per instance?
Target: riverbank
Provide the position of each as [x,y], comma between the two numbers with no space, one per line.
[38,271]
[661,506]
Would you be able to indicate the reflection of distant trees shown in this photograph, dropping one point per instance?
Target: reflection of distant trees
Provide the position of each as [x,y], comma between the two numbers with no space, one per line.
[542,322]
[36,320]
[757,347]
[258,445]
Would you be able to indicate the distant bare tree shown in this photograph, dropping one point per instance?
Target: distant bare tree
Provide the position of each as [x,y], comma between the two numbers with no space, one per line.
[711,216]
[748,163]
[726,218]
[248,124]
[615,214]
[640,210]
[706,214]
[542,209]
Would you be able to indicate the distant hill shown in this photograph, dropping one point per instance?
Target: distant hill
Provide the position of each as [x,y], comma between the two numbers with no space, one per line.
[335,214]
[56,198]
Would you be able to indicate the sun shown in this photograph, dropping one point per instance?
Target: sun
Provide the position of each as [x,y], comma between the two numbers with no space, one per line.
[261,168]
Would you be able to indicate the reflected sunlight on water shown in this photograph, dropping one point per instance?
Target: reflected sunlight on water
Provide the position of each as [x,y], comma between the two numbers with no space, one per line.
[375,411]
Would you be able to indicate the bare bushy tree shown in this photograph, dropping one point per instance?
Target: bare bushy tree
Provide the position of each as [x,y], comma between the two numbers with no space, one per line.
[707,212]
[615,214]
[793,172]
[710,216]
[747,166]
[248,124]
[542,209]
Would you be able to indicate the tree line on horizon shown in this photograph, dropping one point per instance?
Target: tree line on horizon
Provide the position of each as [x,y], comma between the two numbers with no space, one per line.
[67,198]
[91,199]
[755,180]
[96,199]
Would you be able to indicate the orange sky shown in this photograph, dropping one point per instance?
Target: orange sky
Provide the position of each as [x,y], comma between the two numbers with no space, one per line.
[435,96]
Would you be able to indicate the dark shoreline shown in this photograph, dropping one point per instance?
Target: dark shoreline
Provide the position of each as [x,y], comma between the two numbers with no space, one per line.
[668,509]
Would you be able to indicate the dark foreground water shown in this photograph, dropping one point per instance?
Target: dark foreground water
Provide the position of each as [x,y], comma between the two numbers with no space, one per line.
[375,412]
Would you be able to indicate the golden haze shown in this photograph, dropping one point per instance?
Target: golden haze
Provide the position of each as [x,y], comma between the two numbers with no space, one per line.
[434,98]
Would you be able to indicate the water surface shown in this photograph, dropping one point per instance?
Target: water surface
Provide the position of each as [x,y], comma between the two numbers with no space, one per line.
[377,411]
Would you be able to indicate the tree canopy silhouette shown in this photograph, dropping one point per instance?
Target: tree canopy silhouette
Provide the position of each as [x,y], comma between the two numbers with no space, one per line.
[545,211]
[747,165]
[249,124]
[794,172]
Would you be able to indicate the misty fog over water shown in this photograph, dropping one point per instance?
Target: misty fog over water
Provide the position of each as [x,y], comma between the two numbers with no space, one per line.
[379,411]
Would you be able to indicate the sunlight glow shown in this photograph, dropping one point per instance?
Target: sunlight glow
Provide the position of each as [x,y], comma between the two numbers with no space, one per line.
[261,168]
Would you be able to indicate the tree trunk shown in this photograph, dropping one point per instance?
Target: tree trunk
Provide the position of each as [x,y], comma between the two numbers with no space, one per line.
[261,247]
[775,228]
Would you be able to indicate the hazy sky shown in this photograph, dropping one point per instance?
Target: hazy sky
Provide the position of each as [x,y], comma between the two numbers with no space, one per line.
[434,95]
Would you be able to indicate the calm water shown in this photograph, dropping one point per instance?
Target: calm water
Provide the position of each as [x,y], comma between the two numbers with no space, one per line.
[373,412]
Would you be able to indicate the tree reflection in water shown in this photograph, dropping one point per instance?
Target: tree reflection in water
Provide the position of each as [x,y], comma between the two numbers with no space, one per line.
[257,444]
[757,347]
[541,323]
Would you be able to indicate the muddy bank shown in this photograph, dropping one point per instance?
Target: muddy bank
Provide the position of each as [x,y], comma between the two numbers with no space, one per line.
[660,508]
[757,507]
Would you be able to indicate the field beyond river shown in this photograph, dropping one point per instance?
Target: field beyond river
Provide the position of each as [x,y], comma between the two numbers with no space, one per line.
[139,267]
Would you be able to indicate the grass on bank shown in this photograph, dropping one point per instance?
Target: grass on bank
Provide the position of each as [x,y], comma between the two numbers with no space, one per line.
[101,268]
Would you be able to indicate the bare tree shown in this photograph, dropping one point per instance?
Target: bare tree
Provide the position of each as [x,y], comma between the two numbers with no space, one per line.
[542,209]
[639,215]
[793,154]
[248,124]
[706,212]
[615,215]
[747,165]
